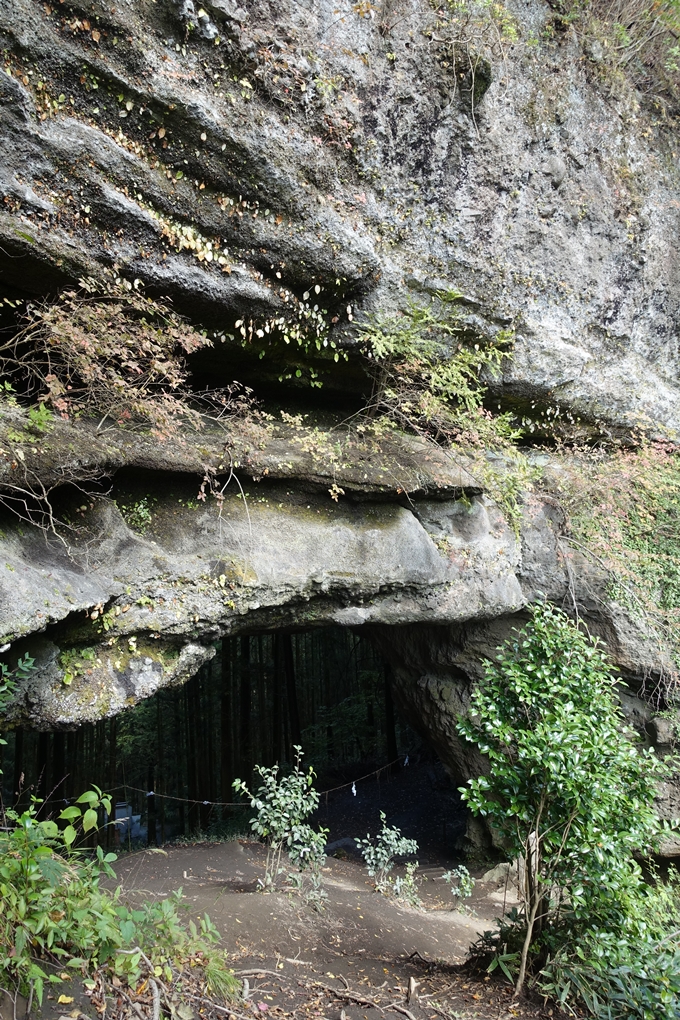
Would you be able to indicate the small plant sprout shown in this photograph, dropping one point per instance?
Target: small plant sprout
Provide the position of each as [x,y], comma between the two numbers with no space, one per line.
[460,882]
[380,855]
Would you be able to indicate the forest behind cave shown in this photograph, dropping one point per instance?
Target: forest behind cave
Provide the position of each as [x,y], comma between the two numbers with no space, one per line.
[170,761]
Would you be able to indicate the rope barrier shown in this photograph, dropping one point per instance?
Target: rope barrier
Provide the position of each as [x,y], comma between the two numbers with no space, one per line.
[241,803]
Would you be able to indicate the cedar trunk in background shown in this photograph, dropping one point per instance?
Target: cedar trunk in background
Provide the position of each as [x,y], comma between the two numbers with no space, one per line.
[291,690]
[245,749]
[226,732]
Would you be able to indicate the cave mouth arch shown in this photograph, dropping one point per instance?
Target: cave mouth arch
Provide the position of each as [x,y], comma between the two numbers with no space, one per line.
[170,760]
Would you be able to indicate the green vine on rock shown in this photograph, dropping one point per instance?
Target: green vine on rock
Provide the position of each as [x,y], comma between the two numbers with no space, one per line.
[428,377]
[427,372]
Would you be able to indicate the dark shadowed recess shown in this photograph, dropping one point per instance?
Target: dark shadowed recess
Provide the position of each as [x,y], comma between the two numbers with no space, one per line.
[172,759]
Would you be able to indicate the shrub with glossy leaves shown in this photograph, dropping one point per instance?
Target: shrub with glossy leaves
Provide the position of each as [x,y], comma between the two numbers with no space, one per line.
[282,803]
[570,790]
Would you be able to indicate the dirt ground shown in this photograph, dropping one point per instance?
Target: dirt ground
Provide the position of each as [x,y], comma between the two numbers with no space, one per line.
[352,961]
[356,959]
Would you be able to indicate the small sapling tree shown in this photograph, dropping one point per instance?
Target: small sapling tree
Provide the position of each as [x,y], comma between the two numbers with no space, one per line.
[569,790]
[281,806]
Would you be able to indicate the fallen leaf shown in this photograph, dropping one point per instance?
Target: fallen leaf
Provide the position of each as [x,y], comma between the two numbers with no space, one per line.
[65,1000]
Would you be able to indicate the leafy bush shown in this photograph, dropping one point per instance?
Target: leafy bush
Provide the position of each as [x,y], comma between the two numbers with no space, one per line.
[620,977]
[282,805]
[380,856]
[55,914]
[569,792]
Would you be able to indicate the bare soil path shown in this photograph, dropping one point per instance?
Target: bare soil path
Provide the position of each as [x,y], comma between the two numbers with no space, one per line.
[355,959]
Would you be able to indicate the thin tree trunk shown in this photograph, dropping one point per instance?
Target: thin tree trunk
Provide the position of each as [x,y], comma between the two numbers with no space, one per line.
[179,763]
[207,791]
[276,699]
[160,770]
[18,761]
[291,690]
[226,712]
[59,764]
[192,765]
[42,764]
[245,741]
[390,728]
[150,809]
[262,717]
[111,778]
[527,945]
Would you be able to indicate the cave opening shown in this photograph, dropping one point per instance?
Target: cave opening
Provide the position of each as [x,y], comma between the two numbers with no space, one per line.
[170,761]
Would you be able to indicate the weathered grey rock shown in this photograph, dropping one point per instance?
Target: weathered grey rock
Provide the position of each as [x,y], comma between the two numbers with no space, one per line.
[264,558]
[551,205]
[235,159]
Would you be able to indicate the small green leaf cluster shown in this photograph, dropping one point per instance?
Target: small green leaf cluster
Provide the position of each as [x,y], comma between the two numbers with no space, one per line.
[427,371]
[138,515]
[460,882]
[569,790]
[281,804]
[10,678]
[380,854]
[87,818]
[56,915]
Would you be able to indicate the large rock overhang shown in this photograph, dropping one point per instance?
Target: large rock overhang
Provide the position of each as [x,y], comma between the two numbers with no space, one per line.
[135,595]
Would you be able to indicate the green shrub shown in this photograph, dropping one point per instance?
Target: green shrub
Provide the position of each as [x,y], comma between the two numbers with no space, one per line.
[570,793]
[55,914]
[282,804]
[620,977]
[380,856]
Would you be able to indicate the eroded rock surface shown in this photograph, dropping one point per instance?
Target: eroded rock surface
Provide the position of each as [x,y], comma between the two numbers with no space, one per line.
[251,162]
[125,599]
[235,157]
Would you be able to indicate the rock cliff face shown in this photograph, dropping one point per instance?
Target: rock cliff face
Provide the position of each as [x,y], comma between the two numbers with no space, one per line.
[251,162]
[234,156]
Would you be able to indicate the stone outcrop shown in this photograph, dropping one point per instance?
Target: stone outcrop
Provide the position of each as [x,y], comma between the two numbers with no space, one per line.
[232,156]
[249,162]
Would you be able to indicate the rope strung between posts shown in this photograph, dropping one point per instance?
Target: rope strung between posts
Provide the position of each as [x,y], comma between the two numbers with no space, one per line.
[242,803]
